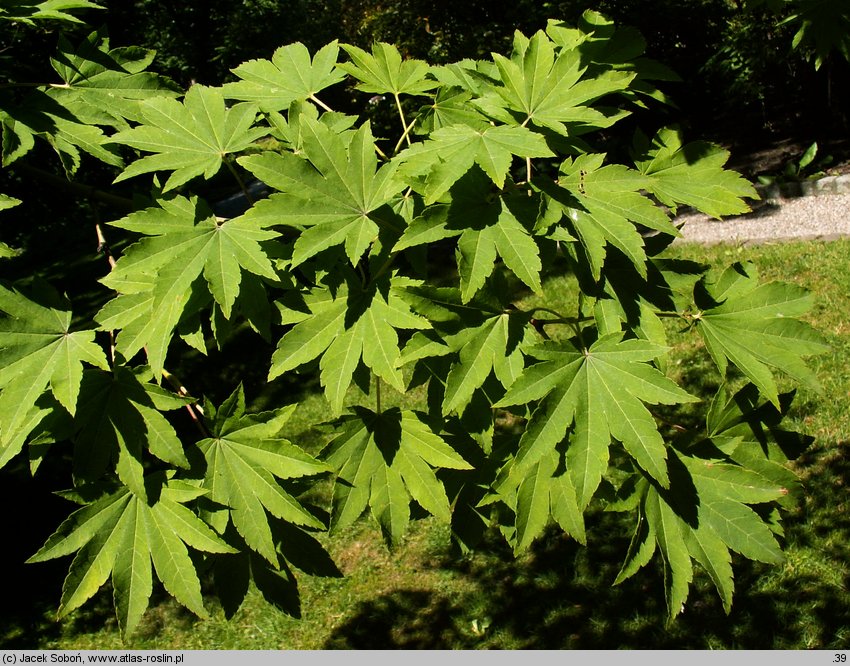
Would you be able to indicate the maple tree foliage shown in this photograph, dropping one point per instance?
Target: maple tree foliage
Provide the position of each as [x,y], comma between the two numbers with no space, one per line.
[498,165]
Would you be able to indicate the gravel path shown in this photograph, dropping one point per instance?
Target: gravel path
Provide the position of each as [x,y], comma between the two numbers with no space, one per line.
[815,217]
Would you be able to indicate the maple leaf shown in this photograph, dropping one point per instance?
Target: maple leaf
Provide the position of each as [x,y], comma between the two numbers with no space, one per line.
[545,490]
[481,337]
[38,351]
[289,76]
[244,457]
[746,428]
[492,346]
[705,530]
[754,326]
[547,89]
[384,70]
[103,86]
[122,534]
[155,275]
[487,228]
[601,392]
[345,327]
[118,419]
[338,194]
[41,116]
[383,460]
[692,174]
[451,106]
[450,152]
[189,138]
[603,205]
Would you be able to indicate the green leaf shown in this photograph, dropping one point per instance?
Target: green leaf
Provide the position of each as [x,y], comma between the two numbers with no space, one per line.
[337,195]
[117,420]
[289,76]
[384,71]
[123,535]
[547,89]
[39,351]
[348,327]
[693,174]
[450,106]
[7,202]
[754,327]
[27,11]
[532,503]
[104,86]
[669,531]
[480,348]
[450,152]
[156,274]
[601,391]
[383,461]
[244,457]
[189,138]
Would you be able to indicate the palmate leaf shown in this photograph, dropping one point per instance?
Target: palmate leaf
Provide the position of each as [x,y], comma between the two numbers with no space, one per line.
[38,351]
[118,420]
[451,151]
[245,456]
[692,174]
[338,194]
[604,207]
[103,86]
[450,106]
[189,138]
[755,327]
[823,26]
[384,71]
[344,328]
[703,516]
[746,428]
[601,392]
[155,275]
[492,346]
[123,535]
[288,77]
[383,460]
[41,116]
[488,228]
[546,88]
[546,491]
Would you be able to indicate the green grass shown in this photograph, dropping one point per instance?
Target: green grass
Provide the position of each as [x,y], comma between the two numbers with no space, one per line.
[558,595]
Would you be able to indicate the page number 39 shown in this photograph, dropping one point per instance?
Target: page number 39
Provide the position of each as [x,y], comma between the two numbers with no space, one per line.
[840,658]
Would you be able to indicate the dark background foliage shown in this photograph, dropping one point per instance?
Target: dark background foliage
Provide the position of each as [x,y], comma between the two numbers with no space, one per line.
[741,78]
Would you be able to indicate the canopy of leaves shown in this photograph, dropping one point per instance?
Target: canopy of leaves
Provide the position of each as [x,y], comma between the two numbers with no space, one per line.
[393,261]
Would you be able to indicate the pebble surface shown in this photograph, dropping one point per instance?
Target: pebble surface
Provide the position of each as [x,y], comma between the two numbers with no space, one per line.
[825,216]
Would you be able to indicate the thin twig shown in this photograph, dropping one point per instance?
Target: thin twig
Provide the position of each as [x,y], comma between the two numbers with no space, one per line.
[406,134]
[239,180]
[321,103]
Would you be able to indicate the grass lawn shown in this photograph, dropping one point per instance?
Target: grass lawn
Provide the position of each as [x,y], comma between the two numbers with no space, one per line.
[558,595]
